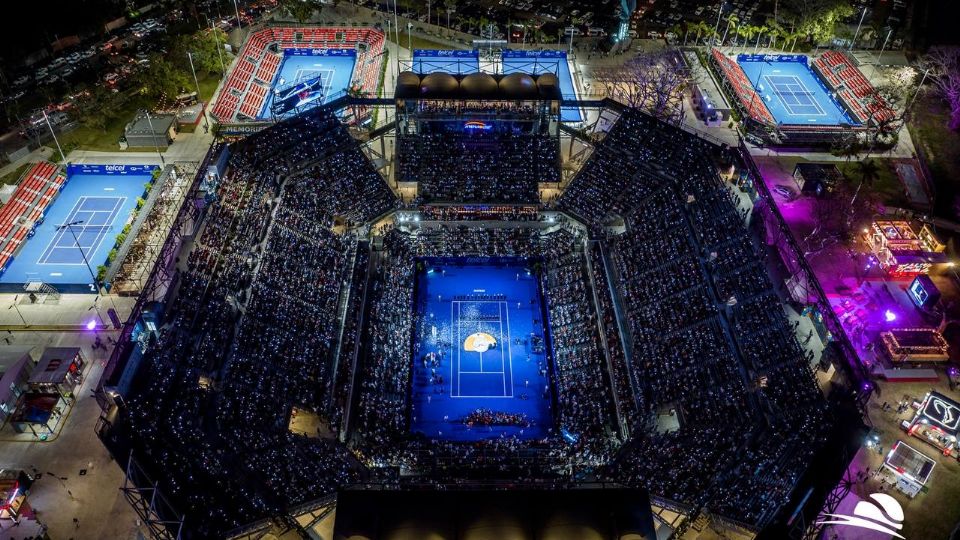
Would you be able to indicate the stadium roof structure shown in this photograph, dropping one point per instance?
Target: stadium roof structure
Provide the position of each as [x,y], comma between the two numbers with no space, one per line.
[484,86]
[583,514]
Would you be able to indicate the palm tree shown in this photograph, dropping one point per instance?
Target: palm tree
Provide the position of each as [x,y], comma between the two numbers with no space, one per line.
[760,30]
[732,19]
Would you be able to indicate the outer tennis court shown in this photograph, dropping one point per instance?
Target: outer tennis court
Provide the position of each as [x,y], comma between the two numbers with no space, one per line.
[796,98]
[480,346]
[98,200]
[92,219]
[454,62]
[537,62]
[791,91]
[334,67]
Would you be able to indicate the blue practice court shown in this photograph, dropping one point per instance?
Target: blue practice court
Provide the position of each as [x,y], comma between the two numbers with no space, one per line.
[445,61]
[97,200]
[537,62]
[325,73]
[791,91]
[479,352]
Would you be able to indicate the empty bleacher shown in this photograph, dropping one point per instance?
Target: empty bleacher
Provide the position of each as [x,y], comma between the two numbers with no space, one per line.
[245,91]
[737,81]
[853,88]
[33,195]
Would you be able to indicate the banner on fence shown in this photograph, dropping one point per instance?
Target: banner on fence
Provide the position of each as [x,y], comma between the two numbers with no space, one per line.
[74,169]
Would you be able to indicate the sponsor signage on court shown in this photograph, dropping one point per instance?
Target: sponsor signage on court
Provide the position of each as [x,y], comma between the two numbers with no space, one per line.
[73,169]
[534,54]
[432,53]
[802,58]
[319,52]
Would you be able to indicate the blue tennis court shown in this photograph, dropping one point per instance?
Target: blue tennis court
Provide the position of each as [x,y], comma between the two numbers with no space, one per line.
[455,62]
[537,62]
[97,201]
[791,91]
[92,219]
[479,367]
[311,77]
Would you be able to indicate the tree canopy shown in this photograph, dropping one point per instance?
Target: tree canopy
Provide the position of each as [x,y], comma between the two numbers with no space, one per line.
[815,19]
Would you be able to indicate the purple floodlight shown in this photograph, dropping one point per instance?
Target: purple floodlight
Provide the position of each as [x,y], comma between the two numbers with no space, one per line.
[91,325]
[889,316]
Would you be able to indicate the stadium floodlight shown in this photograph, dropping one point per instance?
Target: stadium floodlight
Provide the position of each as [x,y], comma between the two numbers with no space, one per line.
[96,283]
[203,108]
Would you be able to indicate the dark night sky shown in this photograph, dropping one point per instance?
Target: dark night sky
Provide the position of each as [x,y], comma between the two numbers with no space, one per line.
[30,24]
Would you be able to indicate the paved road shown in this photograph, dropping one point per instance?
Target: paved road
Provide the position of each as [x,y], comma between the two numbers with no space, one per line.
[93,499]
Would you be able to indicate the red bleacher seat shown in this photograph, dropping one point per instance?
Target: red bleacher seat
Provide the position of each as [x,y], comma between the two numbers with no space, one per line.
[242,95]
[27,204]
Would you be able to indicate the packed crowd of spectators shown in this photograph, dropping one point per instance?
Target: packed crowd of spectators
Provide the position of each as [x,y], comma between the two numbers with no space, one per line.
[624,390]
[256,317]
[708,338]
[478,167]
[281,304]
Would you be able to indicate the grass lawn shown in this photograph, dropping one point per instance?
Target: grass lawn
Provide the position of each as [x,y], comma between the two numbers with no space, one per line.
[85,138]
[13,176]
[417,42]
[887,186]
[928,127]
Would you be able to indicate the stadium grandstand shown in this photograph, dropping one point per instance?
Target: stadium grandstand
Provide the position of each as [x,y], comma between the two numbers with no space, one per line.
[625,334]
[257,70]
[36,190]
[853,88]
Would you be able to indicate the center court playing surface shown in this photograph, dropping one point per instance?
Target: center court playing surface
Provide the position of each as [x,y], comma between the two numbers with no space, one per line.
[477,347]
[335,72]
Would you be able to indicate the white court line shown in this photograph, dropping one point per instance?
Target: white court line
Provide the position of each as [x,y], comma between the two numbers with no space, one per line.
[452,344]
[103,233]
[796,82]
[510,352]
[503,376]
[503,373]
[54,243]
[457,345]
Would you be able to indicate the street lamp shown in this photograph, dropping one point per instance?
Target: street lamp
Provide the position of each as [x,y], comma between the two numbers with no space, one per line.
[45,117]
[237,11]
[223,68]
[83,254]
[716,27]
[153,134]
[857,33]
[409,34]
[203,109]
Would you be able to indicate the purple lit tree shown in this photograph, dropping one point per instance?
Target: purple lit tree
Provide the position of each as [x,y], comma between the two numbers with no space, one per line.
[844,211]
[944,65]
[652,81]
